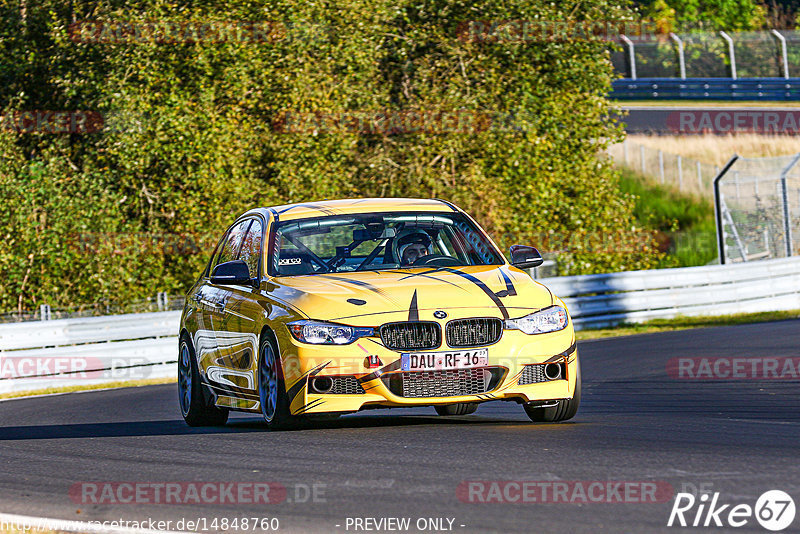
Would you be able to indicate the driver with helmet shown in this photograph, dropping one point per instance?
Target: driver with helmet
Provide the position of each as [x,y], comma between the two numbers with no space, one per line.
[410,245]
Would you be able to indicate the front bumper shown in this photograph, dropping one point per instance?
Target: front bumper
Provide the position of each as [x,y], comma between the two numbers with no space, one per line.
[507,359]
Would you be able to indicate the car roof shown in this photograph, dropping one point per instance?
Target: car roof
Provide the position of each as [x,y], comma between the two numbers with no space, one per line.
[305,210]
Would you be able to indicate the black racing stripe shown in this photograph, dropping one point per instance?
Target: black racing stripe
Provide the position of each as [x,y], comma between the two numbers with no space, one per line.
[566,354]
[232,392]
[426,274]
[413,311]
[312,404]
[511,291]
[489,293]
[359,283]
[298,386]
[394,366]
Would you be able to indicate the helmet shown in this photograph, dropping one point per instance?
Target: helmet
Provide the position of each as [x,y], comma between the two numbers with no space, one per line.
[407,237]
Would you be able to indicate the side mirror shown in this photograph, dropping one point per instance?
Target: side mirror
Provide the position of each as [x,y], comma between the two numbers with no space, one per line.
[524,257]
[233,272]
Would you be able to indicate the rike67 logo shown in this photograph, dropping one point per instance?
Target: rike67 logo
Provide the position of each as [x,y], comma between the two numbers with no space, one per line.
[774,510]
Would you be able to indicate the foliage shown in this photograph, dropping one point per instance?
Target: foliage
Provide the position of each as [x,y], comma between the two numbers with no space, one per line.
[193,135]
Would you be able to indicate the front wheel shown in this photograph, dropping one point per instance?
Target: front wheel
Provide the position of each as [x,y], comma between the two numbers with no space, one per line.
[271,388]
[195,408]
[566,408]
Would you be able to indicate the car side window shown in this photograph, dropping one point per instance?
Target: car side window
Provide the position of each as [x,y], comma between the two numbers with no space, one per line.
[230,250]
[251,247]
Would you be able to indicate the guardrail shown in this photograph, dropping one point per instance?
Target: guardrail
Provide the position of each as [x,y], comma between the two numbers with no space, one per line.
[95,350]
[706,89]
[601,300]
[92,350]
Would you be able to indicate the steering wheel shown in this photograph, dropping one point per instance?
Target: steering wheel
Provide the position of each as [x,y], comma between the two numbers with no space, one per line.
[438,260]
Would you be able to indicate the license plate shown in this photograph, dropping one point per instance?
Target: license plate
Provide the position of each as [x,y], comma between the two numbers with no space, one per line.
[437,361]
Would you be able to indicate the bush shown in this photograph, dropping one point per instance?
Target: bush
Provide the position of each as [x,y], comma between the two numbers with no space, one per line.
[195,134]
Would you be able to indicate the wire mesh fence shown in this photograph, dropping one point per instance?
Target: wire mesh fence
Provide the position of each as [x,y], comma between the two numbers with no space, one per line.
[671,170]
[160,302]
[762,54]
[758,209]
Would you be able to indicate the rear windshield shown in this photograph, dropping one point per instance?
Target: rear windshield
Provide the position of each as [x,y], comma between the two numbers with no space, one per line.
[378,241]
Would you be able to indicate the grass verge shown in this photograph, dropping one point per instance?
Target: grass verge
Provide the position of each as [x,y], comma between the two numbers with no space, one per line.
[718,149]
[70,389]
[685,222]
[686,323]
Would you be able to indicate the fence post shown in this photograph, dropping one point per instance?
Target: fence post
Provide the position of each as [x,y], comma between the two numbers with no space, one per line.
[162,300]
[699,177]
[718,209]
[631,55]
[681,58]
[44,312]
[680,175]
[641,157]
[784,55]
[787,221]
[661,164]
[731,53]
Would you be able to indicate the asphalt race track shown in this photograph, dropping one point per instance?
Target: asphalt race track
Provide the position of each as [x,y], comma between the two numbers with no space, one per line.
[737,437]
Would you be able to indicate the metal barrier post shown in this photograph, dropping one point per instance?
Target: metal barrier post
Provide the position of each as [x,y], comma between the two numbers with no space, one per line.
[641,157]
[661,164]
[787,221]
[680,175]
[784,55]
[699,177]
[631,55]
[681,58]
[718,209]
[731,53]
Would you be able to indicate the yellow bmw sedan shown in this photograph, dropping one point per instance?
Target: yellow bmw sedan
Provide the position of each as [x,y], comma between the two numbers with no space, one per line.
[329,308]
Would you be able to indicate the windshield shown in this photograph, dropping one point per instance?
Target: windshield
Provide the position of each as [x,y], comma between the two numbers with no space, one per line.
[378,241]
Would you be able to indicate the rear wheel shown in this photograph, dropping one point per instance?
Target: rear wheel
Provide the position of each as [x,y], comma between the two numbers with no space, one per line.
[196,409]
[566,408]
[271,387]
[462,408]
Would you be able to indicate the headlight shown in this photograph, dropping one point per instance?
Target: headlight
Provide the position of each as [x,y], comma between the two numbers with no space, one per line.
[550,319]
[319,333]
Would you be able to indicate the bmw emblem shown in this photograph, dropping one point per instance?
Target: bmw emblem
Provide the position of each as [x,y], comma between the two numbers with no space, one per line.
[439,314]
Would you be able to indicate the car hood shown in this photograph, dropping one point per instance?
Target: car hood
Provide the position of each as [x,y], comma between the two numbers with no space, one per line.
[412,294]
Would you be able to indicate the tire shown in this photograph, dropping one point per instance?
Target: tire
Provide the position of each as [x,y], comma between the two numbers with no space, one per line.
[196,408]
[272,388]
[462,408]
[566,409]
